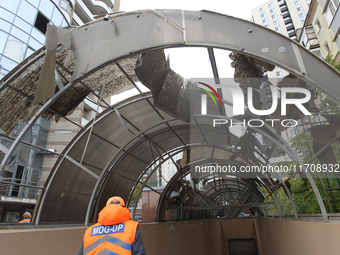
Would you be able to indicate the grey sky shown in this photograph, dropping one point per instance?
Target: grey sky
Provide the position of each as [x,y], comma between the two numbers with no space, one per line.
[241,9]
[194,62]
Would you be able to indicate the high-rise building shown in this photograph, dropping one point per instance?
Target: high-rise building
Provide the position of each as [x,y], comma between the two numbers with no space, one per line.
[283,16]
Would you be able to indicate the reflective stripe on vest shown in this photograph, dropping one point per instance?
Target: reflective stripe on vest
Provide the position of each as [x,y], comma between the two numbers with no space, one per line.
[111,239]
[25,221]
[116,239]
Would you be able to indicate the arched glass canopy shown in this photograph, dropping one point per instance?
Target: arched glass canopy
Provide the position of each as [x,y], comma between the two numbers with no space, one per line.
[124,145]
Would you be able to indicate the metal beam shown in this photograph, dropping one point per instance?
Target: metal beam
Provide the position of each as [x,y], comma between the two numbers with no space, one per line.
[202,28]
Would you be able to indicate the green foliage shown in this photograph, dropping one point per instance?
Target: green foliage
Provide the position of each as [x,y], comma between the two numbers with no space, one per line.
[300,188]
[135,193]
[330,59]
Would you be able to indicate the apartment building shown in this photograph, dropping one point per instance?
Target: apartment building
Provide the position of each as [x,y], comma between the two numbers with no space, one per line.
[284,16]
[320,34]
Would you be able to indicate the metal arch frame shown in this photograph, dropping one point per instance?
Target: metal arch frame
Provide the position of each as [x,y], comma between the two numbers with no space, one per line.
[199,29]
[187,169]
[173,152]
[163,159]
[255,182]
[200,22]
[32,121]
[221,148]
[112,161]
[84,132]
[104,115]
[170,154]
[110,111]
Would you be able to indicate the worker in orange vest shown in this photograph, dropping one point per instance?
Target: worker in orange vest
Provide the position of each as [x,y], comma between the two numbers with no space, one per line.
[27,218]
[114,233]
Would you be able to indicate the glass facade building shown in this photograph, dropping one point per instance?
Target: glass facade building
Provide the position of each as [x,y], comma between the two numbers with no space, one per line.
[23,27]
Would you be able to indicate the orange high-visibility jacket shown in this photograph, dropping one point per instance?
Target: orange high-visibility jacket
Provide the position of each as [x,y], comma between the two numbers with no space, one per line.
[114,232]
[25,221]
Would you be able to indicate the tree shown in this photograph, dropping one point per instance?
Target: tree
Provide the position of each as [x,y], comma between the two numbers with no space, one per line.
[300,188]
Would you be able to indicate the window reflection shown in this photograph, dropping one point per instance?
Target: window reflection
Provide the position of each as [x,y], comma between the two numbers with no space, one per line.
[18,33]
[15,49]
[8,64]
[46,7]
[57,18]
[28,52]
[23,25]
[34,2]
[4,25]
[6,15]
[17,28]
[27,12]
[34,44]
[40,37]
[11,5]
[3,39]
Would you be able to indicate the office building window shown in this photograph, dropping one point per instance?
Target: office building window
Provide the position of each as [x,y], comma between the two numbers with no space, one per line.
[11,5]
[271,8]
[279,75]
[263,16]
[41,23]
[302,17]
[304,39]
[300,9]
[331,9]
[317,26]
[66,5]
[274,17]
[27,12]
[277,26]
[297,3]
[327,48]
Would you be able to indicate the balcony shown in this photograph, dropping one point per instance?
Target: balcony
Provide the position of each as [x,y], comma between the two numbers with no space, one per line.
[283,8]
[287,20]
[289,26]
[285,14]
[312,39]
[283,2]
[18,188]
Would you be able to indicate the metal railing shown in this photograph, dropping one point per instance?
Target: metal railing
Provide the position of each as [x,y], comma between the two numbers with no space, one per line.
[13,187]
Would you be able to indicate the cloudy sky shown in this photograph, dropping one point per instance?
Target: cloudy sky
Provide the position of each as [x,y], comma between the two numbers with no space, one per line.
[241,9]
[194,62]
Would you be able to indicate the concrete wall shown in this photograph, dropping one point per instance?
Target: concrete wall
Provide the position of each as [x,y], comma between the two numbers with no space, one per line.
[273,236]
[59,136]
[283,237]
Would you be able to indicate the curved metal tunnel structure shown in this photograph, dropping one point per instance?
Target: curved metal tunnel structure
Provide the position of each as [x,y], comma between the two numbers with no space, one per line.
[122,147]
